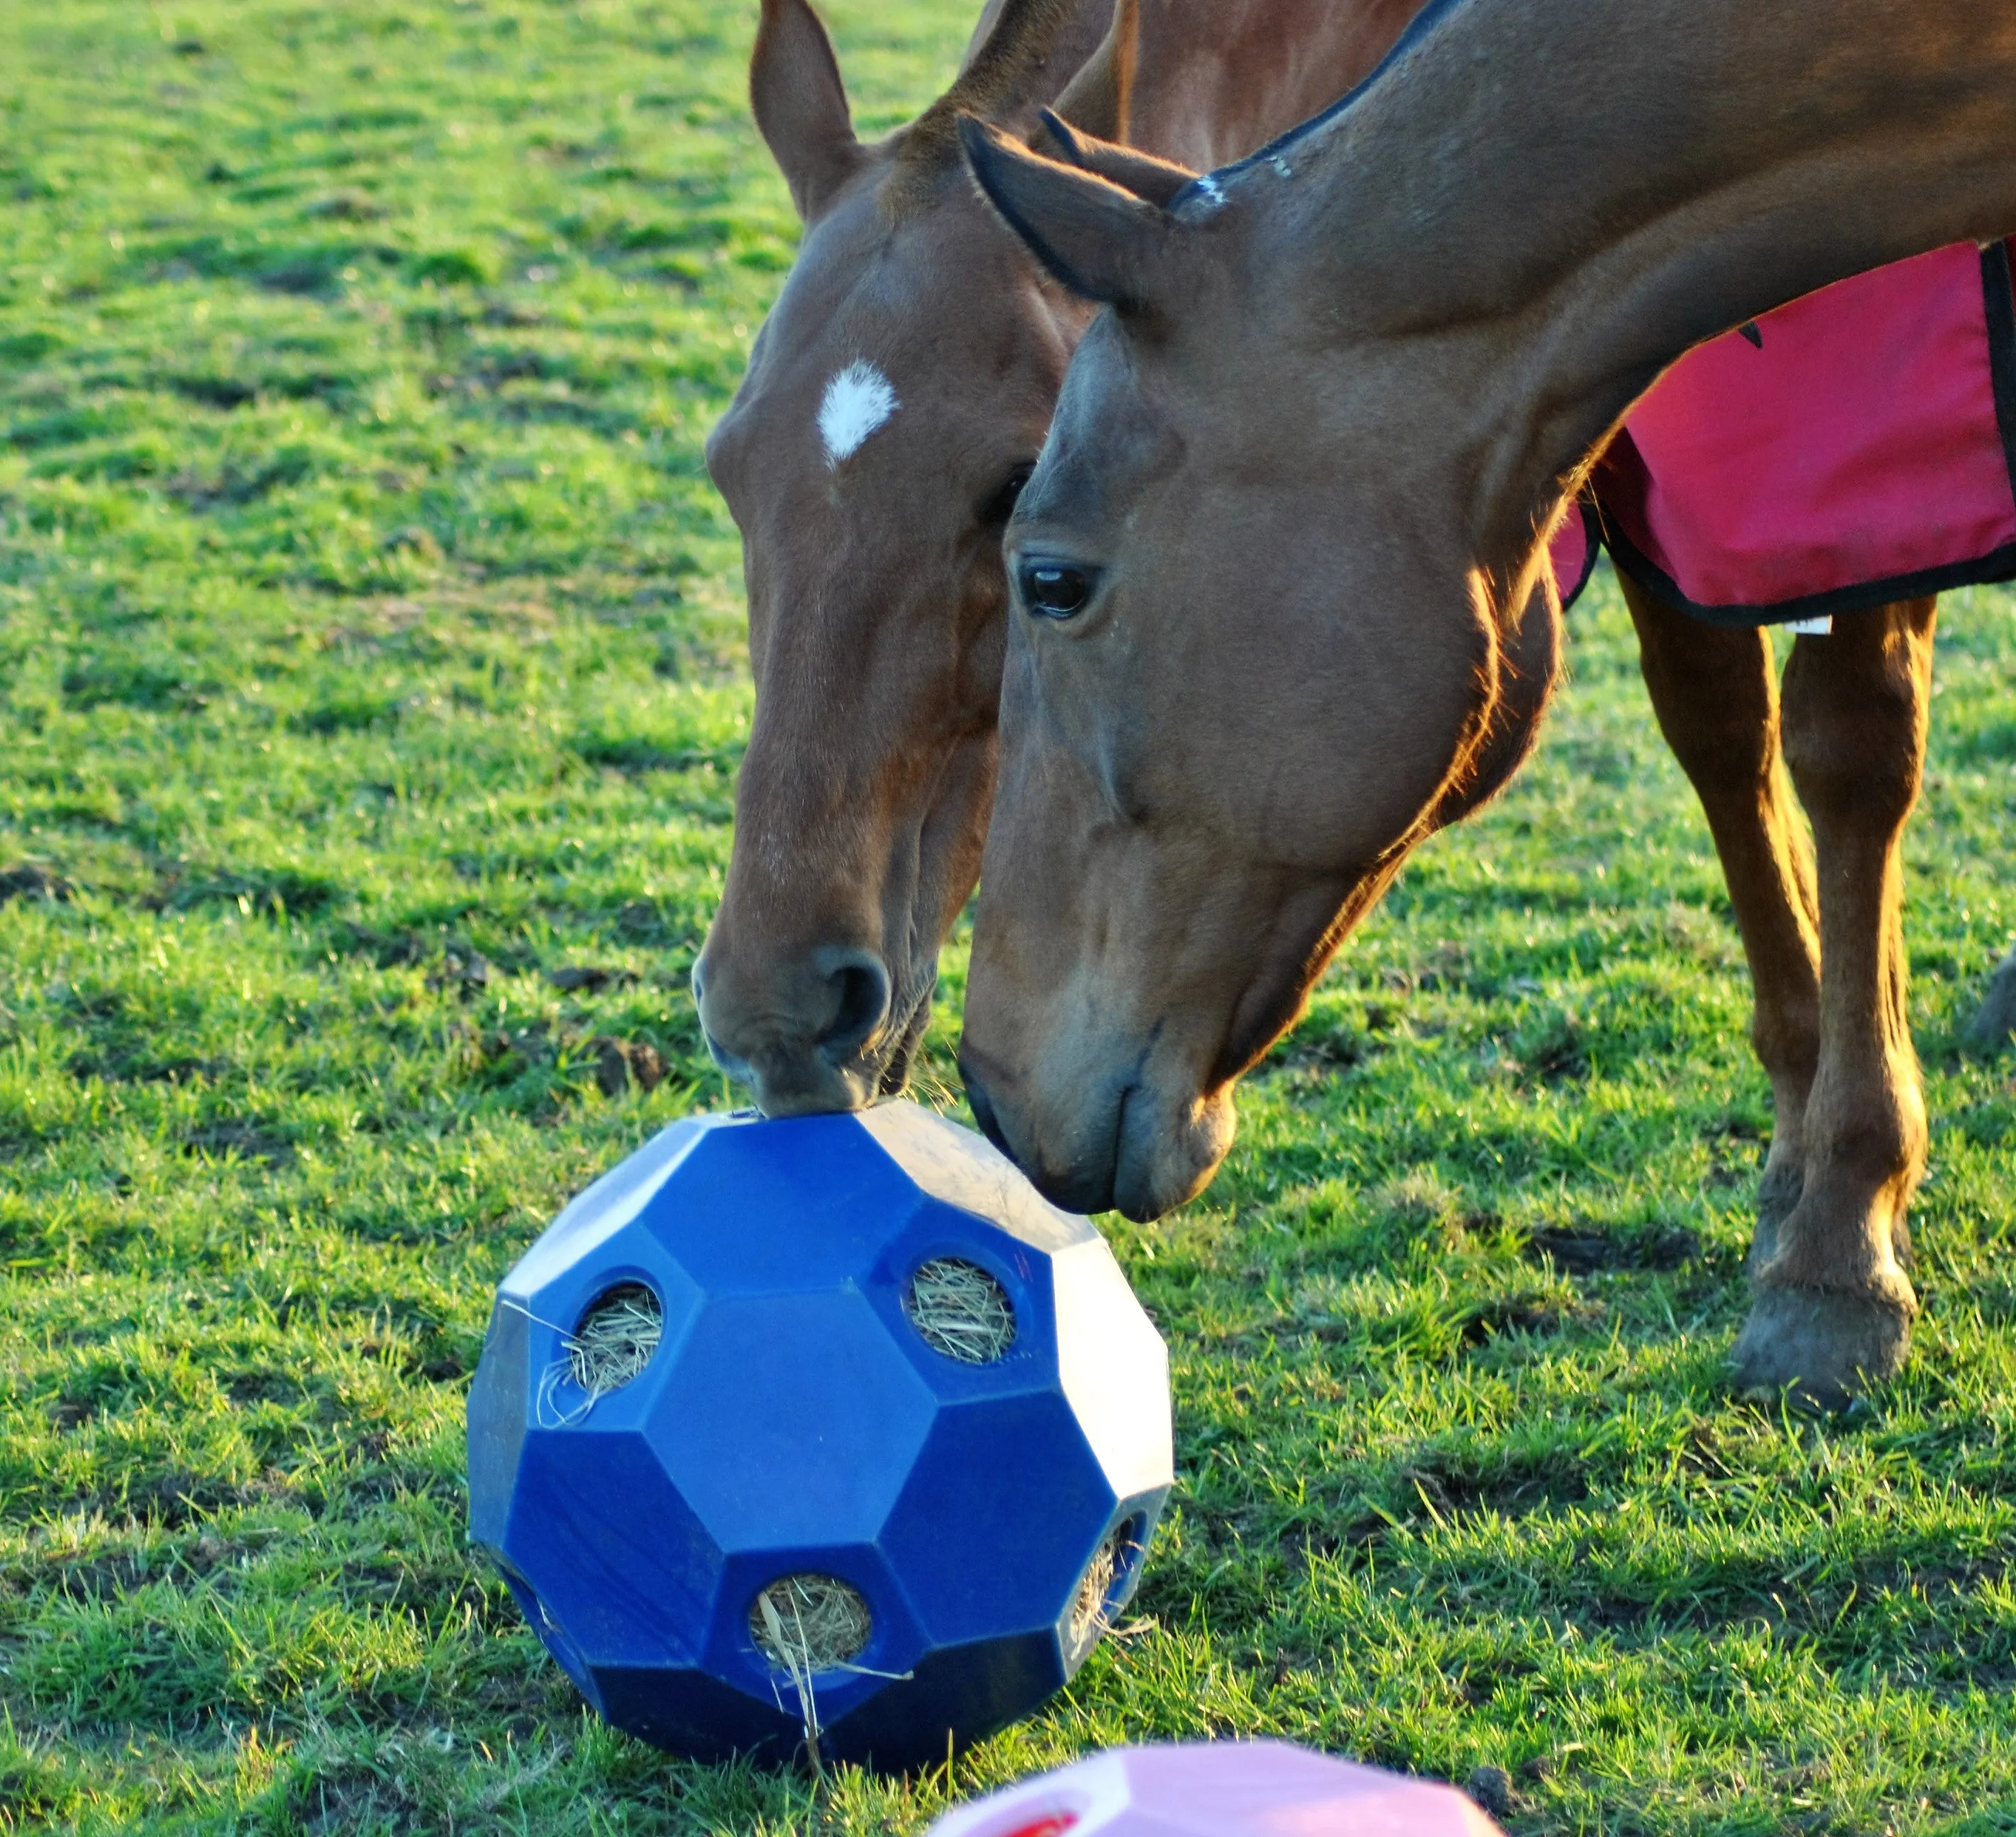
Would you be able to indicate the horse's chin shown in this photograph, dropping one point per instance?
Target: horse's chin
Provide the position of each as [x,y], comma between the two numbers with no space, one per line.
[1130,1147]
[1166,1153]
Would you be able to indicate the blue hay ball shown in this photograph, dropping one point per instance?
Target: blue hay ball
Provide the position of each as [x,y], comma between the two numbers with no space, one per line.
[831,1421]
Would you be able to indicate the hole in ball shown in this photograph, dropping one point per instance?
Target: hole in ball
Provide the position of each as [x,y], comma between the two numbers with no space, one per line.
[1101,1586]
[958,1309]
[808,1623]
[615,1337]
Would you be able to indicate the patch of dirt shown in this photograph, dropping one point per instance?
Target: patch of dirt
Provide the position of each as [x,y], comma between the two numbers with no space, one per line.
[348,1799]
[232,485]
[387,950]
[120,1066]
[620,1063]
[206,1552]
[247,1388]
[181,886]
[1491,1788]
[1558,1056]
[524,1701]
[1511,1314]
[590,978]
[347,206]
[30,880]
[1583,1250]
[1322,1539]
[642,923]
[246,1137]
[1321,1051]
[500,1057]
[176,1499]
[467,972]
[1513,1491]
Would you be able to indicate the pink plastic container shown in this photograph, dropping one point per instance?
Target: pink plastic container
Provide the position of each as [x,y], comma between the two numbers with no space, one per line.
[1218,1789]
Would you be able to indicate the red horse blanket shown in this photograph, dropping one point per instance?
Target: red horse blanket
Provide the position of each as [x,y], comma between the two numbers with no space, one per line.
[1852,448]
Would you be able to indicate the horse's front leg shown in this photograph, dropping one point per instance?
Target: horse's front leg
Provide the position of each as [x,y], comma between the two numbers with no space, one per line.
[1834,1308]
[1715,693]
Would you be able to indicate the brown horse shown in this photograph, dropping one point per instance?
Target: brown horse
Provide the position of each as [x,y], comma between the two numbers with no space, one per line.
[1287,524]
[895,400]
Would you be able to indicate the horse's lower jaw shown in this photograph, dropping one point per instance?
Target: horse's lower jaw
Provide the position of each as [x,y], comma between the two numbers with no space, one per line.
[1166,1154]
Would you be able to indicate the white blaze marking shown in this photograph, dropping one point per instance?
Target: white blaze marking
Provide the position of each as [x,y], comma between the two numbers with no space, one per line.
[857,401]
[1211,189]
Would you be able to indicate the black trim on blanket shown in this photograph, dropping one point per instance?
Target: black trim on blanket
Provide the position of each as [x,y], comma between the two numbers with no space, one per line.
[1592,550]
[1997,565]
[2000,306]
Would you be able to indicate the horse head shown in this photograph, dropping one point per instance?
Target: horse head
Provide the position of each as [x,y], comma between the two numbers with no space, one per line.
[1247,671]
[895,401]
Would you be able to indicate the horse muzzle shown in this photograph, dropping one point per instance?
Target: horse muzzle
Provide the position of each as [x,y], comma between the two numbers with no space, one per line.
[1118,1144]
[815,1033]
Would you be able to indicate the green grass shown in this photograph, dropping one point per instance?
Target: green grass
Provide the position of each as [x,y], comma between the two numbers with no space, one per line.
[369,651]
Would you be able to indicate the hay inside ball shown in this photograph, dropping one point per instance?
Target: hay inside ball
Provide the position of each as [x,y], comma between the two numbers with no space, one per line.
[958,1309]
[1095,1586]
[615,1339]
[807,1624]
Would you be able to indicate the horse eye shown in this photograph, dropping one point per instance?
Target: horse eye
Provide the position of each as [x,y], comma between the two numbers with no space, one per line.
[1050,589]
[997,508]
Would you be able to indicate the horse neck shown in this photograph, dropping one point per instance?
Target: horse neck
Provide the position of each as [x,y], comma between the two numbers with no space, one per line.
[1214,79]
[1574,196]
[1217,78]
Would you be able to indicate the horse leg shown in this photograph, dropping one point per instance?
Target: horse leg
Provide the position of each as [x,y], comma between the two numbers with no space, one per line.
[1715,694]
[1834,1307]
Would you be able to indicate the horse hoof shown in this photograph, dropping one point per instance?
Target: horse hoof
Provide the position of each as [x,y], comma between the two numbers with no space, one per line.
[1777,1193]
[1825,1347]
[1995,1025]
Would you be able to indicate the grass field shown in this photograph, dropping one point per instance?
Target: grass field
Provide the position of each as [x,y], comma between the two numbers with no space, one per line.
[369,674]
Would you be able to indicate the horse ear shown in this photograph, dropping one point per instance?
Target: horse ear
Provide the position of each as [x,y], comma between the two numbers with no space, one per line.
[1157,181]
[1012,66]
[1098,239]
[801,104]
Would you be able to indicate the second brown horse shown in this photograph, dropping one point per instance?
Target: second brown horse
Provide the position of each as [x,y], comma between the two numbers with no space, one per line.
[1284,540]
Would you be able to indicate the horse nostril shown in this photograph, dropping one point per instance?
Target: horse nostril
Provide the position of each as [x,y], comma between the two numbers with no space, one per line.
[860,982]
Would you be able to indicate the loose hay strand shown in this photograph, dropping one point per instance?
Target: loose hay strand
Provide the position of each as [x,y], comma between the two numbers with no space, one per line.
[616,1338]
[960,1311]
